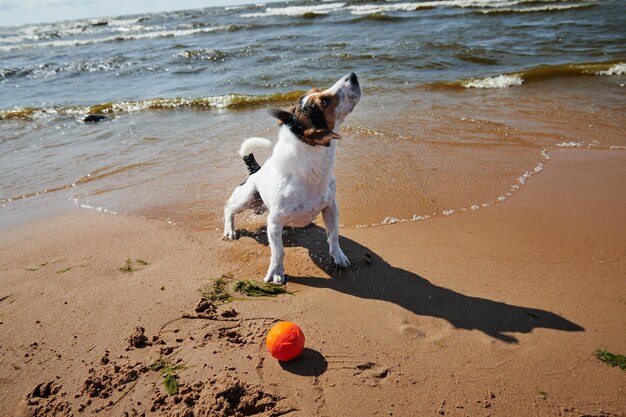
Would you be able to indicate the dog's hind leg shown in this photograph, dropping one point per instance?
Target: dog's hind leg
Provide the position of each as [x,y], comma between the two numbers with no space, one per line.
[331,223]
[242,198]
[275,273]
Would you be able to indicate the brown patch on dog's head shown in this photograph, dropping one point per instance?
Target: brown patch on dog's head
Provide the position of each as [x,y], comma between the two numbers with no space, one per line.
[303,129]
[320,108]
[312,118]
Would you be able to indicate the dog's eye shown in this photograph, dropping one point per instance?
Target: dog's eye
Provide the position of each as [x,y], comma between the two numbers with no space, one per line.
[325,102]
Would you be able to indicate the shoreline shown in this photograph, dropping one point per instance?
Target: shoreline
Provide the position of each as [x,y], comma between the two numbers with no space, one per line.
[439,152]
[493,311]
[238,101]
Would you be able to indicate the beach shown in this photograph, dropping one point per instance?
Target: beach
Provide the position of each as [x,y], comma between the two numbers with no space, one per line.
[481,184]
[492,312]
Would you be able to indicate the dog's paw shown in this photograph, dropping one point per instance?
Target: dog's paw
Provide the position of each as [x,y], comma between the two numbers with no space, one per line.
[230,235]
[275,278]
[340,259]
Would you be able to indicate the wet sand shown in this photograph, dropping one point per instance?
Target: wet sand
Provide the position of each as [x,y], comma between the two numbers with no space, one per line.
[489,312]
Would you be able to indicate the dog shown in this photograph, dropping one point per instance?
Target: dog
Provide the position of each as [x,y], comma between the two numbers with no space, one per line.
[297,182]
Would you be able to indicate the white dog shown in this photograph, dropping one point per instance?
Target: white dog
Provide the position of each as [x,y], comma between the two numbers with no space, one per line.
[297,182]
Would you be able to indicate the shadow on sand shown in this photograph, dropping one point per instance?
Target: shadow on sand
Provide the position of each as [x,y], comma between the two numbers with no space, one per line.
[380,281]
[309,363]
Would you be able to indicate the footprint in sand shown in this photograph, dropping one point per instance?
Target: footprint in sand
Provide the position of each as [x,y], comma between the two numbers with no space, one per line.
[371,374]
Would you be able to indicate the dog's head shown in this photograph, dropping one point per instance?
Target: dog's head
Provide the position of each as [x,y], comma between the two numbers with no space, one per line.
[316,116]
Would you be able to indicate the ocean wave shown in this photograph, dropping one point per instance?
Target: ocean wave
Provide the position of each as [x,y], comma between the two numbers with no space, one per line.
[501,81]
[297,11]
[617,69]
[118,21]
[84,27]
[45,70]
[376,17]
[424,5]
[230,101]
[374,9]
[476,57]
[539,73]
[539,9]
[118,38]
[544,72]
[485,6]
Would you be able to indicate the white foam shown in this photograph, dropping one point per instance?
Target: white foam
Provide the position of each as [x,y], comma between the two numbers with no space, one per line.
[296,10]
[134,36]
[376,9]
[548,8]
[569,145]
[72,28]
[409,7]
[617,69]
[218,102]
[118,22]
[501,81]
[617,147]
[98,209]
[390,220]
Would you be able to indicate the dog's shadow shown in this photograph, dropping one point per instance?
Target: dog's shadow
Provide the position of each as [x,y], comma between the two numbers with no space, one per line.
[371,277]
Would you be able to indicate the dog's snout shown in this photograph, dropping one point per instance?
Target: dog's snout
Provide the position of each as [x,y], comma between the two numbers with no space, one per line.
[353,79]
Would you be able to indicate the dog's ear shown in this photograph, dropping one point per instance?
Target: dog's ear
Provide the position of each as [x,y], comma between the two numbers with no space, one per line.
[284,117]
[290,120]
[311,135]
[321,137]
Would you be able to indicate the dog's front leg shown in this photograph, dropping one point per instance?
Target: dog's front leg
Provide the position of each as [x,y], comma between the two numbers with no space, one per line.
[331,223]
[275,273]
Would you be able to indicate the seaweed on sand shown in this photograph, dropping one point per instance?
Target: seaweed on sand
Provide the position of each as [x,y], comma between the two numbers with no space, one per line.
[168,370]
[217,291]
[260,289]
[611,359]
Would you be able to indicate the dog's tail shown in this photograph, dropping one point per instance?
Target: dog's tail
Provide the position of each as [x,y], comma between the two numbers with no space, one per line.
[246,149]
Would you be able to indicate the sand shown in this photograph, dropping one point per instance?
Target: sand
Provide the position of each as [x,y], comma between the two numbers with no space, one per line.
[494,312]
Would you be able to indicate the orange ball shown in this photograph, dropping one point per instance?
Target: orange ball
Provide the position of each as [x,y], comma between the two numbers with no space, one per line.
[285,341]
